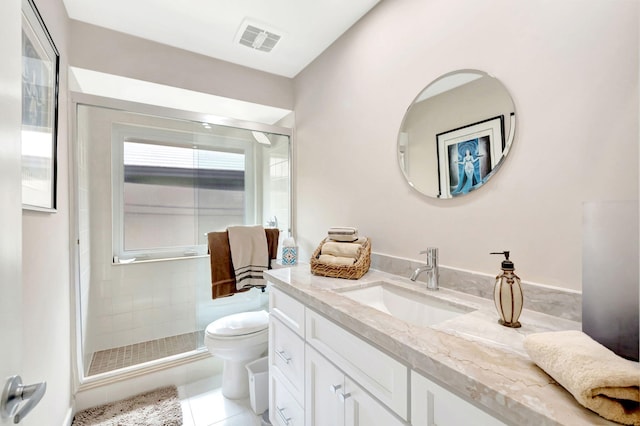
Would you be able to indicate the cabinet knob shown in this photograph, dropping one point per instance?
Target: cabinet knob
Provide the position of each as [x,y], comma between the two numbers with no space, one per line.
[344,396]
[334,388]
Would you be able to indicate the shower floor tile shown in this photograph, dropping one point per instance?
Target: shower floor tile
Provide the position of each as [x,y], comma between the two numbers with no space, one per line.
[125,356]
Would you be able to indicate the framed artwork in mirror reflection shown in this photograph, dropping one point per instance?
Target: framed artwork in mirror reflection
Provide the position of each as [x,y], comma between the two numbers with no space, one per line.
[40,74]
[468,154]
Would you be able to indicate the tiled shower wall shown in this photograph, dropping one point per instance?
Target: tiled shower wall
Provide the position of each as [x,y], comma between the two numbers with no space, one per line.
[132,303]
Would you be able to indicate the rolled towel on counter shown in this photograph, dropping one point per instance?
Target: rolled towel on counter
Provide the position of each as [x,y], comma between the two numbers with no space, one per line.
[597,378]
[337,249]
[336,260]
[342,234]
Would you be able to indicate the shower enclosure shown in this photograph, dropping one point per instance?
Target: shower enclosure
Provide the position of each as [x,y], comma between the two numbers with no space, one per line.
[149,186]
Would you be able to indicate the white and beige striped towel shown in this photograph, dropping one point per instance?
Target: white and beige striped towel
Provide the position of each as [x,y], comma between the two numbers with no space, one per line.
[249,255]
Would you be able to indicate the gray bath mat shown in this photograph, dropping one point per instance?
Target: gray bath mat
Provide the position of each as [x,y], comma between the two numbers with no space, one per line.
[160,407]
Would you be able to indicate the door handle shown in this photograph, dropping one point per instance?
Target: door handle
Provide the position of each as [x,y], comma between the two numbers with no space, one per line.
[14,393]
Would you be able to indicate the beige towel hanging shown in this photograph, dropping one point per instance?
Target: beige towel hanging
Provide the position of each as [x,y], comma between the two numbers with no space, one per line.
[249,255]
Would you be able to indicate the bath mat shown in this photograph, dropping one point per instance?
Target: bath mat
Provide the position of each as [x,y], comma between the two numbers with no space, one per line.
[160,407]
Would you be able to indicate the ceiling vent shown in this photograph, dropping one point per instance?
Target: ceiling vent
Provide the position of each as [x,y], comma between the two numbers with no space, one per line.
[258,38]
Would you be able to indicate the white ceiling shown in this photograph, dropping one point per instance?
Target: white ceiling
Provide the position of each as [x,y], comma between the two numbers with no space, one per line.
[210,27]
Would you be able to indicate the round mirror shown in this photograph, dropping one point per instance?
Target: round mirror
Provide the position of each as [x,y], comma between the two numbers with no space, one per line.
[456,134]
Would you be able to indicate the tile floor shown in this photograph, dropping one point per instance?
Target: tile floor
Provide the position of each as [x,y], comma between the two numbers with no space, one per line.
[125,356]
[203,405]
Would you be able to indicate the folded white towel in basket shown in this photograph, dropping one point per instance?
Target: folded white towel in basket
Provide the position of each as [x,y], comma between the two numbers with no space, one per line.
[336,260]
[343,233]
[337,249]
[596,377]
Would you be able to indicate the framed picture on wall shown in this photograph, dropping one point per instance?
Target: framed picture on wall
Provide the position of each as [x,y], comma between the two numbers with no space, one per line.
[40,74]
[468,154]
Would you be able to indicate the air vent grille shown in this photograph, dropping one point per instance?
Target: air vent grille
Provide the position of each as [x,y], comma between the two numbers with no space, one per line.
[259,39]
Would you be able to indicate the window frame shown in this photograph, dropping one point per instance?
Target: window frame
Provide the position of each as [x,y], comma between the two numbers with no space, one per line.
[125,132]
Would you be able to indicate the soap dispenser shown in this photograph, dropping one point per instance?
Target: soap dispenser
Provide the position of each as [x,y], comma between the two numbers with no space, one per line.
[507,293]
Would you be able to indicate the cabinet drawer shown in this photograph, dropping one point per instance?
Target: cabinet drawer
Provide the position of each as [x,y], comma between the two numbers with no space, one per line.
[286,354]
[382,376]
[287,309]
[284,409]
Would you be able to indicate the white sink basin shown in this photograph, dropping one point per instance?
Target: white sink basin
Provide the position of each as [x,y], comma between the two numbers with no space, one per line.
[406,305]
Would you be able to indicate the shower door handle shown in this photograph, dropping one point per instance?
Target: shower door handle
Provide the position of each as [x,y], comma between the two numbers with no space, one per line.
[14,393]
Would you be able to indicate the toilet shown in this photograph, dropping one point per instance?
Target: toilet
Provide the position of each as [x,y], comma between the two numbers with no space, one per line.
[237,339]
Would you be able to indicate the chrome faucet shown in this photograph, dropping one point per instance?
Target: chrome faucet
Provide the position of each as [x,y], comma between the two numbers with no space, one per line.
[431,268]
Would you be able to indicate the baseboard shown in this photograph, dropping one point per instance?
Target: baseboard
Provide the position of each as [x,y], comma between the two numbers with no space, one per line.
[68,419]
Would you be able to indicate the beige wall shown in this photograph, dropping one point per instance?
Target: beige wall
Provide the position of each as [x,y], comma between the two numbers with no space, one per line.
[46,265]
[572,70]
[103,50]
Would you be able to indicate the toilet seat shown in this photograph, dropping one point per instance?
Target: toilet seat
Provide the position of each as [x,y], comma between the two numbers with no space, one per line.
[238,325]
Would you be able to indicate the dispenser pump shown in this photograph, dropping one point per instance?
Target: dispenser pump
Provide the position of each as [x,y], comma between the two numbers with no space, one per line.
[507,293]
[507,265]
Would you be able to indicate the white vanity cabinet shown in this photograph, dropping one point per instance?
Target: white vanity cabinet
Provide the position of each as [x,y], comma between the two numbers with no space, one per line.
[333,399]
[286,360]
[320,374]
[432,405]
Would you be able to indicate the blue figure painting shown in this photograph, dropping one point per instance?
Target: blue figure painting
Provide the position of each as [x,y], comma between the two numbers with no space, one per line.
[469,164]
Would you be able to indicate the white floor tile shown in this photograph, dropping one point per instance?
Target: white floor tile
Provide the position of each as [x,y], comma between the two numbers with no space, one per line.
[242,419]
[204,405]
[211,407]
[187,418]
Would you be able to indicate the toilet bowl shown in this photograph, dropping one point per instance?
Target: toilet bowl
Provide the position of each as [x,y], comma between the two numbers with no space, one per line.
[237,339]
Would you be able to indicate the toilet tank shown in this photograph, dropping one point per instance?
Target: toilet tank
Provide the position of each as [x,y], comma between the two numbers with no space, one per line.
[610,295]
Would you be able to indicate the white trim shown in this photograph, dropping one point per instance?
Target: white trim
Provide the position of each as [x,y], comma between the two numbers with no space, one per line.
[68,419]
[122,133]
[103,84]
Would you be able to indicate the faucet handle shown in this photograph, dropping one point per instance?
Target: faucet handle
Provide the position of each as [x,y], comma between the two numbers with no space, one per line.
[430,251]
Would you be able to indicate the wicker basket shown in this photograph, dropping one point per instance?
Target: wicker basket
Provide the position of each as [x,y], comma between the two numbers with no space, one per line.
[351,272]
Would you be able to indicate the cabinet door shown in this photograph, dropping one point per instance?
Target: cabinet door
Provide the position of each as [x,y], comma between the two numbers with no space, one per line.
[432,405]
[381,375]
[323,386]
[362,410]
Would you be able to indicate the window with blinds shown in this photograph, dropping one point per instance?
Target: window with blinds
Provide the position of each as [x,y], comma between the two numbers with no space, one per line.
[171,188]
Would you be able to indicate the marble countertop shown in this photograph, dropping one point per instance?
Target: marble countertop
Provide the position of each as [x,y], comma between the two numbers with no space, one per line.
[471,354]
